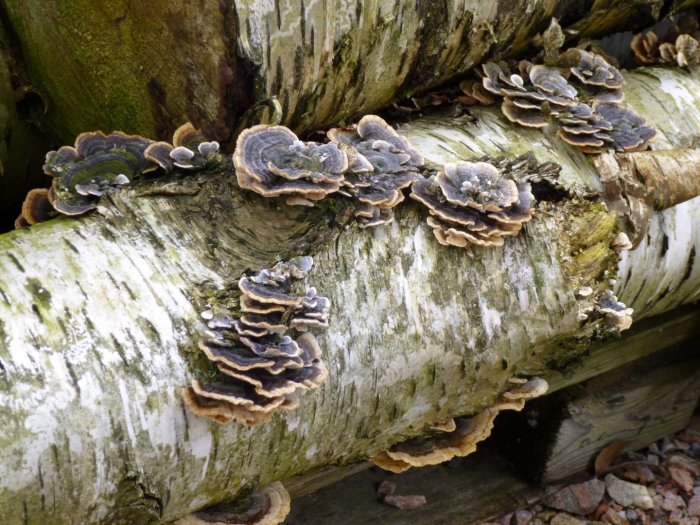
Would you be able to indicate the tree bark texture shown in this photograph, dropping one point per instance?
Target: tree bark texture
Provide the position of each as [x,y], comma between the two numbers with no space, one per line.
[148,67]
[100,319]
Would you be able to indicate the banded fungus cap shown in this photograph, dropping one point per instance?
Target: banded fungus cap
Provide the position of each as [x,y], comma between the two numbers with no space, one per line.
[593,69]
[476,184]
[37,207]
[97,163]
[271,161]
[525,117]
[267,506]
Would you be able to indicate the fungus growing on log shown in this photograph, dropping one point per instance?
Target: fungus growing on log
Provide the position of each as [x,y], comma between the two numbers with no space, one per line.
[616,312]
[37,207]
[190,151]
[272,161]
[97,163]
[479,202]
[681,50]
[539,91]
[267,506]
[382,164]
[462,441]
[259,366]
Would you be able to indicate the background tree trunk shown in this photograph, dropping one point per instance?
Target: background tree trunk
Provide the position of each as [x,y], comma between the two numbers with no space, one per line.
[100,318]
[147,68]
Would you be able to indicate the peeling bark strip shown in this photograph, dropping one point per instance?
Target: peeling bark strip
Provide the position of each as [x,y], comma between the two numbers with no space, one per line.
[100,319]
[327,61]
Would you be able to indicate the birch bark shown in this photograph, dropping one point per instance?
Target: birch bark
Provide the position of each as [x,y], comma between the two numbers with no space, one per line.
[100,318]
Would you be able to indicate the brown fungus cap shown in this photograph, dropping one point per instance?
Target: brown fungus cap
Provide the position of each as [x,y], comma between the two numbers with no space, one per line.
[463,440]
[479,203]
[267,506]
[36,208]
[593,69]
[531,118]
[645,48]
[272,161]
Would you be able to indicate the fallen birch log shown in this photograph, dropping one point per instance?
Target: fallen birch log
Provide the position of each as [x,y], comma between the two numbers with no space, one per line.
[101,318]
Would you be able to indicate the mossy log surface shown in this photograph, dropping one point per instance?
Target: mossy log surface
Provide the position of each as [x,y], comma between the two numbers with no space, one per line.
[146,67]
[100,318]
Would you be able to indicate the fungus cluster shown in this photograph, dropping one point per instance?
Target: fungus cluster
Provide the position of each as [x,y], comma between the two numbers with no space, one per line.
[461,441]
[480,203]
[260,366]
[381,165]
[190,151]
[97,163]
[369,162]
[678,46]
[604,306]
[267,506]
[589,118]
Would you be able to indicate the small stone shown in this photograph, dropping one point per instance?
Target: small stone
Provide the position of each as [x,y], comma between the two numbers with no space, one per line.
[522,517]
[405,502]
[631,515]
[681,478]
[565,519]
[694,505]
[580,499]
[686,463]
[689,521]
[386,488]
[614,517]
[626,493]
[672,501]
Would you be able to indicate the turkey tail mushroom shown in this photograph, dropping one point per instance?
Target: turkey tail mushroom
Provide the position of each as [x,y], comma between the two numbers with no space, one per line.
[260,367]
[463,440]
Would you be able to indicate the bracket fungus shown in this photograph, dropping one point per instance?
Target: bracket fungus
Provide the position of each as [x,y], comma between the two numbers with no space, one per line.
[267,506]
[37,207]
[479,203]
[381,165]
[97,163]
[679,46]
[588,118]
[260,366]
[272,161]
[616,312]
[463,440]
[190,151]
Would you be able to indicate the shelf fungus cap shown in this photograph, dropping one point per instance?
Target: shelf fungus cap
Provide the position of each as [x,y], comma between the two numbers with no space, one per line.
[461,441]
[621,243]
[629,132]
[36,208]
[267,506]
[615,311]
[272,161]
[531,118]
[97,163]
[593,69]
[478,185]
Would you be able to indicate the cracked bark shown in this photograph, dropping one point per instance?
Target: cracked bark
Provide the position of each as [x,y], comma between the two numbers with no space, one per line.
[326,61]
[100,322]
